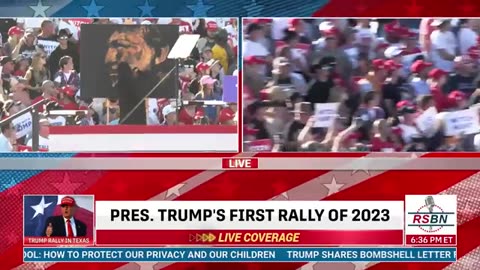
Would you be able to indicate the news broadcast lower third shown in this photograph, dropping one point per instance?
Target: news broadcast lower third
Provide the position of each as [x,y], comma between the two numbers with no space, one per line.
[78,228]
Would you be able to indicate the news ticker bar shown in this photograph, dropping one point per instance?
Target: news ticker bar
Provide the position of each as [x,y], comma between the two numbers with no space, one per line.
[341,164]
[205,254]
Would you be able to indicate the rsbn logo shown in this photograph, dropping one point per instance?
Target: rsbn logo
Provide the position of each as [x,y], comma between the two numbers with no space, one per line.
[430,217]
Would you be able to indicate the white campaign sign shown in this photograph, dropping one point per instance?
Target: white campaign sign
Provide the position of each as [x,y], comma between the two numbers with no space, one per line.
[23,125]
[465,121]
[426,121]
[48,45]
[325,114]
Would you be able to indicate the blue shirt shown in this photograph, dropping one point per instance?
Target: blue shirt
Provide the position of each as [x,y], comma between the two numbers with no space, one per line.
[420,86]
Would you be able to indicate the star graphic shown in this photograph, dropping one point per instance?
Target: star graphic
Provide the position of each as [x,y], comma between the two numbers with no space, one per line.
[467,8]
[92,9]
[253,9]
[360,265]
[66,186]
[146,9]
[174,190]
[40,9]
[364,164]
[200,9]
[414,9]
[333,187]
[39,208]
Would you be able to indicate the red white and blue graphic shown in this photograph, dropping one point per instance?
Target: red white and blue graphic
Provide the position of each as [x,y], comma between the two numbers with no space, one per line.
[38,208]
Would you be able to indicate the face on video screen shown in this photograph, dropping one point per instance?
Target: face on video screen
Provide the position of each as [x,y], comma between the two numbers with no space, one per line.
[129,45]
[143,47]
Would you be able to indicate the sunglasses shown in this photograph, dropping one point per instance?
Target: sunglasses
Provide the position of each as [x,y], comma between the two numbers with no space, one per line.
[65,205]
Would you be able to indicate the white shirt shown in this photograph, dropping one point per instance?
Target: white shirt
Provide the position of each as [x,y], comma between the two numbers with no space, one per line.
[42,143]
[278,28]
[466,38]
[408,132]
[420,86]
[74,228]
[252,48]
[5,145]
[297,54]
[446,41]
[57,121]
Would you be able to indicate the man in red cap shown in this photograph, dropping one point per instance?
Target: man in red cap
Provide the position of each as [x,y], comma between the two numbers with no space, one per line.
[420,69]
[65,225]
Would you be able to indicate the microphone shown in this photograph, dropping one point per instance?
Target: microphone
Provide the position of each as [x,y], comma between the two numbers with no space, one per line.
[430,203]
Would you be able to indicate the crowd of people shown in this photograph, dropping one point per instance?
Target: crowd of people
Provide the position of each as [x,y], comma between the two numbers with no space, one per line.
[41,63]
[361,85]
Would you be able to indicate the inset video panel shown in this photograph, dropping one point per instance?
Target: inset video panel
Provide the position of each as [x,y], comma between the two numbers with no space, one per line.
[119,84]
[361,85]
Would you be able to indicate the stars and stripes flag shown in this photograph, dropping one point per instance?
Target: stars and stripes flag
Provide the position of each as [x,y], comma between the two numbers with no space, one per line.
[247,185]
[38,208]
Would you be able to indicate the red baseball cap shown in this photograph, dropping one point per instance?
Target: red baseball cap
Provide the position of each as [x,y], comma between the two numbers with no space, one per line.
[392,65]
[212,26]
[378,64]
[456,96]
[202,66]
[254,60]
[67,90]
[199,114]
[15,30]
[69,201]
[261,21]
[226,115]
[405,106]
[420,65]
[436,73]
[393,28]
[474,52]
[292,23]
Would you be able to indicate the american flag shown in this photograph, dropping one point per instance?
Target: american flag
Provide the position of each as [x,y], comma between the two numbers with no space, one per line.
[249,185]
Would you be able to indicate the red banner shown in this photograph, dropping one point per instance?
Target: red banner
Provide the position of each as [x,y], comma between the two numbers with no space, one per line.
[243,237]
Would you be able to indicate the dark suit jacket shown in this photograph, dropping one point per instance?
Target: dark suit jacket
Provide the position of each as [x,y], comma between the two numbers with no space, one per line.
[58,225]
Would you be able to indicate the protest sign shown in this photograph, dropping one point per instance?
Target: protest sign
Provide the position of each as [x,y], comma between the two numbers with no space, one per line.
[23,125]
[462,122]
[426,121]
[325,114]
[230,89]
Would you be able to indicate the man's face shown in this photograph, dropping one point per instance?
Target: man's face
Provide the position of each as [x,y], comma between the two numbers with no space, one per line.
[207,55]
[49,28]
[130,47]
[8,68]
[68,211]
